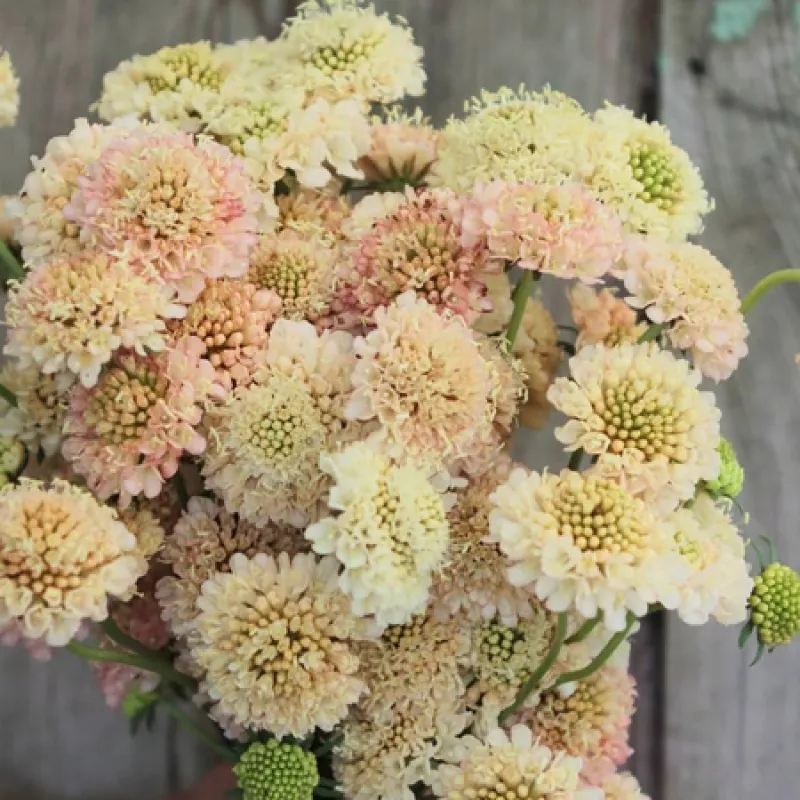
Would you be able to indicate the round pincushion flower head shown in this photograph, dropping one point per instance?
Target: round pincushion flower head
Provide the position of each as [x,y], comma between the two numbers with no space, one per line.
[639,410]
[12,458]
[512,765]
[179,207]
[62,555]
[343,48]
[274,771]
[73,313]
[390,532]
[775,605]
[9,91]
[730,480]
[275,638]
[649,181]
[603,318]
[583,542]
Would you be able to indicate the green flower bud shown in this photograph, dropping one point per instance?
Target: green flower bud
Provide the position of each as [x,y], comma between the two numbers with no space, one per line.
[775,605]
[730,480]
[275,771]
[12,457]
[136,702]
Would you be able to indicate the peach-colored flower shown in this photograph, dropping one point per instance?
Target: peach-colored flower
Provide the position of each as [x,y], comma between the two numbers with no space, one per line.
[622,786]
[561,230]
[602,318]
[73,313]
[126,434]
[687,288]
[313,212]
[181,208]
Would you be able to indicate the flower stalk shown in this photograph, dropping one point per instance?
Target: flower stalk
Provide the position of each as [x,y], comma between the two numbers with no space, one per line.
[216,744]
[10,268]
[765,284]
[520,297]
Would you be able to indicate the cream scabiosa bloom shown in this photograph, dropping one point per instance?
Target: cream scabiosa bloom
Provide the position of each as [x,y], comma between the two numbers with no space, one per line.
[390,532]
[638,408]
[62,555]
[582,542]
[9,92]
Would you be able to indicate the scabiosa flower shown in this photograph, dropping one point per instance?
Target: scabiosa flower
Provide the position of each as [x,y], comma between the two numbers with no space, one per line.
[313,212]
[367,211]
[257,667]
[126,435]
[589,720]
[202,544]
[417,246]
[688,288]
[422,376]
[513,765]
[9,92]
[73,313]
[622,786]
[472,581]
[12,634]
[62,555]
[515,136]
[299,271]
[403,149]
[498,293]
[649,181]
[347,49]
[175,85]
[142,521]
[561,230]
[582,542]
[639,410]
[181,208]
[775,605]
[232,319]
[602,318]
[390,532]
[277,771]
[266,440]
[719,582]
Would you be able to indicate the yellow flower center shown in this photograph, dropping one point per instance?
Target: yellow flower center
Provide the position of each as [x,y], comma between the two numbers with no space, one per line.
[264,120]
[120,405]
[184,62]
[497,782]
[344,57]
[653,170]
[292,275]
[497,646]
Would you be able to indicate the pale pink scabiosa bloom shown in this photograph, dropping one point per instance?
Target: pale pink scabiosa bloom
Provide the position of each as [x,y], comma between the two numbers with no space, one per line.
[389,531]
[256,668]
[12,634]
[602,318]
[299,270]
[689,290]
[719,583]
[403,149]
[202,544]
[126,435]
[512,764]
[639,409]
[417,247]
[9,91]
[181,208]
[72,313]
[62,555]
[422,376]
[582,542]
[589,720]
[344,48]
[266,439]
[622,786]
[232,319]
[311,212]
[367,211]
[560,230]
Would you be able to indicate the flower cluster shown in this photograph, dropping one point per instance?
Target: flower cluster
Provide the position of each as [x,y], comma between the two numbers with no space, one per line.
[270,342]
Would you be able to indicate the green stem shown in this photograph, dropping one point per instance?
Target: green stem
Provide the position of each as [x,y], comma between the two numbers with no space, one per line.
[765,284]
[157,666]
[180,488]
[10,268]
[177,713]
[652,332]
[322,791]
[575,460]
[8,395]
[602,657]
[539,673]
[520,297]
[326,747]
[583,631]
[113,632]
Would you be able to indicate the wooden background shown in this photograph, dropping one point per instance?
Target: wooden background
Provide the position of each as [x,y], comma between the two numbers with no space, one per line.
[709,728]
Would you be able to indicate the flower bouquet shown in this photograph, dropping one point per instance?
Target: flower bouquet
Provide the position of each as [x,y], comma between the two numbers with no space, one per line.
[269,337]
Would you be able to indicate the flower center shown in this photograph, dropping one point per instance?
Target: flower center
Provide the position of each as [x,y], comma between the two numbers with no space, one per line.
[290,274]
[343,57]
[181,63]
[120,406]
[497,646]
[775,603]
[566,721]
[639,416]
[263,120]
[653,170]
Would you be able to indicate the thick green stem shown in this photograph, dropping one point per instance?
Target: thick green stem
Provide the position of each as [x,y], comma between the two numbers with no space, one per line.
[128,642]
[539,673]
[652,333]
[765,284]
[583,631]
[8,395]
[602,657]
[10,268]
[327,747]
[575,460]
[521,294]
[157,666]
[216,744]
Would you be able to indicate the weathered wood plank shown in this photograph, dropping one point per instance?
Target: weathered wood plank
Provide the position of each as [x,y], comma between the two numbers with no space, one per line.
[732,732]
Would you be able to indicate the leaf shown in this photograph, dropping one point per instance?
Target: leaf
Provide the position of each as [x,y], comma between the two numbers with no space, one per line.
[761,565]
[773,551]
[233,794]
[746,633]
[759,654]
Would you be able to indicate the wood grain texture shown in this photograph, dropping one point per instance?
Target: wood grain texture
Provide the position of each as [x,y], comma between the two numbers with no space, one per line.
[732,732]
